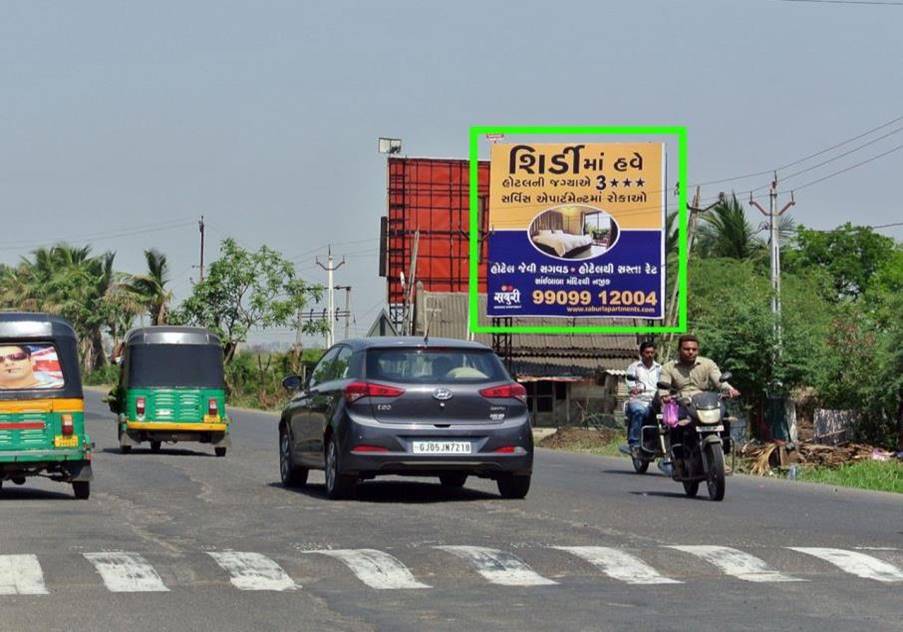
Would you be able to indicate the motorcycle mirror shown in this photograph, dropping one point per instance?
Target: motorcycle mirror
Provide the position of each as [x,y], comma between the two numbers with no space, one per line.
[725,376]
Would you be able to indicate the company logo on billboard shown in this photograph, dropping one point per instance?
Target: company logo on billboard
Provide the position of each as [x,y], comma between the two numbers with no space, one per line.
[507,295]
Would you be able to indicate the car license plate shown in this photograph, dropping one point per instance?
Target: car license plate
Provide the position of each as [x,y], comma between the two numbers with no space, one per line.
[60,441]
[442,447]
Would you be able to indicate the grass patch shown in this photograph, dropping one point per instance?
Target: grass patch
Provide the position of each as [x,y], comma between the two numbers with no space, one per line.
[602,442]
[883,476]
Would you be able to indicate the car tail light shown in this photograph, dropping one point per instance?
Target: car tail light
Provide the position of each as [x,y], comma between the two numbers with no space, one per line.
[139,406]
[506,391]
[510,449]
[356,390]
[368,448]
[212,408]
[68,427]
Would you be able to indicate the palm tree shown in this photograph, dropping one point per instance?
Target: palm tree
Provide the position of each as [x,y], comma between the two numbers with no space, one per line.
[725,232]
[149,289]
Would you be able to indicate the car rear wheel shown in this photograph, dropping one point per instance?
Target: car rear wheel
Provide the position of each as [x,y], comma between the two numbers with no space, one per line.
[514,486]
[81,489]
[291,476]
[453,479]
[338,485]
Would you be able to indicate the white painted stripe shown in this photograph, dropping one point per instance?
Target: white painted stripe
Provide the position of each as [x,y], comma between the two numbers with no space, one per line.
[375,568]
[855,563]
[737,563]
[499,567]
[619,565]
[21,575]
[253,571]
[126,572]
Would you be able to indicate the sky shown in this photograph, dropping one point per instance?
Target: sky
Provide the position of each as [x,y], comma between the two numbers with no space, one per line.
[122,122]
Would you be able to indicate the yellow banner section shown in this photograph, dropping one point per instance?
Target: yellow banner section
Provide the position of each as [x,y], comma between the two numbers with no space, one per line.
[624,180]
[42,406]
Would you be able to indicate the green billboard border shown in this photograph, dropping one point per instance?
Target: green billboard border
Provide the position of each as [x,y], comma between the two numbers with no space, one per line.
[473,282]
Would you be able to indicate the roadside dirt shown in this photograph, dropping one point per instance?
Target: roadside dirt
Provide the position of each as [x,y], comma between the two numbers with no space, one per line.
[582,438]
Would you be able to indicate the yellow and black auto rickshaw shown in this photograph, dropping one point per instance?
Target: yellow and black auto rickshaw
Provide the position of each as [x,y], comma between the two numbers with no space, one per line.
[42,419]
[171,388]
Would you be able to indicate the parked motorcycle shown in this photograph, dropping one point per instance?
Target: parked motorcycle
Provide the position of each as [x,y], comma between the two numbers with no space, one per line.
[698,443]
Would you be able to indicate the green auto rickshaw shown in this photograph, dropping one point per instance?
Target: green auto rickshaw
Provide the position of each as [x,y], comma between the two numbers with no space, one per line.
[171,388]
[42,407]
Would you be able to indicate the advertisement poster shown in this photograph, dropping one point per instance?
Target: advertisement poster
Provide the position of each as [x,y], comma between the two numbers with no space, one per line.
[29,366]
[577,230]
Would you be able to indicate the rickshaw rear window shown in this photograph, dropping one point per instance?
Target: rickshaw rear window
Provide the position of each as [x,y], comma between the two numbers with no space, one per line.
[176,365]
[31,366]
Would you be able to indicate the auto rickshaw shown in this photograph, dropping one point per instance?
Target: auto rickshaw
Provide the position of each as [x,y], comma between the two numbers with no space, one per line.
[171,388]
[42,408]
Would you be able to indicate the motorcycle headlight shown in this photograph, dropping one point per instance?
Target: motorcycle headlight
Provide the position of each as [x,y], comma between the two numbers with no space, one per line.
[712,416]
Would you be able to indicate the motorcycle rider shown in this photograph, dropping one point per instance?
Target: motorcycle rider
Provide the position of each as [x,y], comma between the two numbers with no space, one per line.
[642,379]
[692,373]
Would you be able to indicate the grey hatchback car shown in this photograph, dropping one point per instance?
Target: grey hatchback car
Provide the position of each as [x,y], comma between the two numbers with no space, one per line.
[407,406]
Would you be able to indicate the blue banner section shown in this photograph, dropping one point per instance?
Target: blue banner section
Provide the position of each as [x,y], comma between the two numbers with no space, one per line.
[623,280]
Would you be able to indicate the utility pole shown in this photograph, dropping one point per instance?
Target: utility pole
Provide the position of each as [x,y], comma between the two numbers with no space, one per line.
[347,313]
[692,223]
[330,288]
[201,227]
[774,238]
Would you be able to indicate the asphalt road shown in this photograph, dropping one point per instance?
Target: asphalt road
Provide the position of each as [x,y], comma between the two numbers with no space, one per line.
[182,540]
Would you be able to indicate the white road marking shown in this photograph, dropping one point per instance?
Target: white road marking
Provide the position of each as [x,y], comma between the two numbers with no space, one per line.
[21,575]
[619,565]
[499,567]
[855,563]
[375,568]
[126,572]
[737,563]
[253,571]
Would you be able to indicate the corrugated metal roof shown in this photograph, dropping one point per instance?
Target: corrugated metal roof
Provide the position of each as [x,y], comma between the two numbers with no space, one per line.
[446,313]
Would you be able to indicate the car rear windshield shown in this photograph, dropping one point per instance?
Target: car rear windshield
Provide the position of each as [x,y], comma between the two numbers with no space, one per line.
[176,365]
[434,366]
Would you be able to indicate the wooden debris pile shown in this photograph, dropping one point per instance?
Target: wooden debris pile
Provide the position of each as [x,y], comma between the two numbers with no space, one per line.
[761,458]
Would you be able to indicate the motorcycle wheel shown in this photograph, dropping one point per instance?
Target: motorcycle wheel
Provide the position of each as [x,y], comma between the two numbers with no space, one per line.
[640,465]
[691,488]
[715,475]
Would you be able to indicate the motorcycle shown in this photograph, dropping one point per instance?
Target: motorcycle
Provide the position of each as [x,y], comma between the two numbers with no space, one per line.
[698,443]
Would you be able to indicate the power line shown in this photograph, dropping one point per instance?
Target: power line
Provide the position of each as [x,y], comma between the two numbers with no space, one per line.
[877,2]
[101,236]
[850,168]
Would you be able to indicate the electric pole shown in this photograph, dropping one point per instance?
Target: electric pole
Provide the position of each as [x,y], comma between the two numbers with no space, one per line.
[201,228]
[774,238]
[330,301]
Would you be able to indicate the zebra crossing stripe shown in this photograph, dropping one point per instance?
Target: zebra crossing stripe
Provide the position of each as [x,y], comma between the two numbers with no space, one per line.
[855,563]
[375,568]
[126,572]
[21,575]
[499,567]
[619,565]
[737,563]
[253,571]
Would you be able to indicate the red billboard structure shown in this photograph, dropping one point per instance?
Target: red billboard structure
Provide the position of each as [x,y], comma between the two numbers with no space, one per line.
[425,236]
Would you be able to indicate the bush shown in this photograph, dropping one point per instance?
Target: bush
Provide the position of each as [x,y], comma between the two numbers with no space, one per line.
[108,375]
[255,379]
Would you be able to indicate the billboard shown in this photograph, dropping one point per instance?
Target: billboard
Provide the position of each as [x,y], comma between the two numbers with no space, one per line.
[576,230]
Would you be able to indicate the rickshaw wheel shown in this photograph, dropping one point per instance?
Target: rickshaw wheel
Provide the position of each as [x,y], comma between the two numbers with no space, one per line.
[81,489]
[219,451]
[125,449]
[156,445]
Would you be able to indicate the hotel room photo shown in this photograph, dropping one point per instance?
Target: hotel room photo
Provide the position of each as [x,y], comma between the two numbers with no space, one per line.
[573,232]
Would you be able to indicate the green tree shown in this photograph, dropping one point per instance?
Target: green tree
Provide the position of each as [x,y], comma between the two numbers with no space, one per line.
[149,288]
[729,308]
[725,231]
[245,290]
[850,254]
